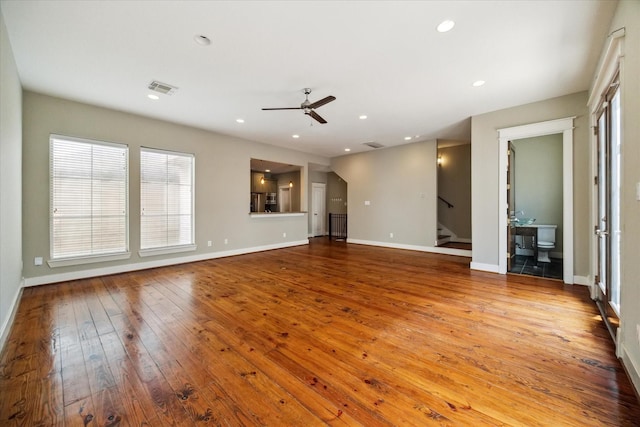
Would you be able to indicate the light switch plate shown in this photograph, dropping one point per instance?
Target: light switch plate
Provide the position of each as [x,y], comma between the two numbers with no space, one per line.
[37,260]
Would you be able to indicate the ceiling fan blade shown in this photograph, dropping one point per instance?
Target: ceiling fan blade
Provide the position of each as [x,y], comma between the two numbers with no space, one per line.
[323,101]
[285,108]
[316,116]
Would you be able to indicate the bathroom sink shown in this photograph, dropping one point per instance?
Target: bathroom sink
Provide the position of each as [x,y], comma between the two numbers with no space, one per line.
[521,222]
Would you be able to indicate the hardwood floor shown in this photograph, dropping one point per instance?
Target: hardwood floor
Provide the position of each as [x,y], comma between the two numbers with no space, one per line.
[329,333]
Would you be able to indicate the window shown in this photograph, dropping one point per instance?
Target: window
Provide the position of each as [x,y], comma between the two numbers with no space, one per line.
[166,202]
[89,200]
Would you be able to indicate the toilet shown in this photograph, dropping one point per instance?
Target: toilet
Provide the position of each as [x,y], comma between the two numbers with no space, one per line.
[546,241]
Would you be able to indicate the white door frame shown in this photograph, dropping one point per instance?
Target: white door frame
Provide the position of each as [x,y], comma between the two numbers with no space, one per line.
[565,127]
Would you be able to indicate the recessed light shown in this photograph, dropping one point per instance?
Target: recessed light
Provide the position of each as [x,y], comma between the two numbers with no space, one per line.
[478,83]
[240,120]
[445,26]
[267,170]
[202,40]
[363,117]
[407,138]
[152,96]
[295,136]
[347,149]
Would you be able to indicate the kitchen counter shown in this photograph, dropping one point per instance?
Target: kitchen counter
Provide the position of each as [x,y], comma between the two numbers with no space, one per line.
[275,214]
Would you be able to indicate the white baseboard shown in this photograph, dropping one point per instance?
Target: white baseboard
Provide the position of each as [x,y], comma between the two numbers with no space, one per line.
[102,271]
[633,369]
[491,268]
[582,280]
[6,323]
[460,240]
[419,248]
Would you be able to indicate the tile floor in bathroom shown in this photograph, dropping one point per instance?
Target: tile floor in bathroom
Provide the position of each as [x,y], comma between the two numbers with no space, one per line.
[524,264]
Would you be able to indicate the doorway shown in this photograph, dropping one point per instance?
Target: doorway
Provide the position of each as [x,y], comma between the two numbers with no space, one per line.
[608,181]
[318,207]
[560,126]
[535,206]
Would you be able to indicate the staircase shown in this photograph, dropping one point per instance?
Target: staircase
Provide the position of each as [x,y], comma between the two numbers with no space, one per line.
[444,235]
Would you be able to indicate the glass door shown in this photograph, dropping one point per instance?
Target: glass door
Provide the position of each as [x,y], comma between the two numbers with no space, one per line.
[607,228]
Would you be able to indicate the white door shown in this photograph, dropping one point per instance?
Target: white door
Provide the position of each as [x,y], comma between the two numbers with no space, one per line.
[318,211]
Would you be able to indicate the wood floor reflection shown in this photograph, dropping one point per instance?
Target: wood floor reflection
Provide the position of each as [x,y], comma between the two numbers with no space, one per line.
[329,333]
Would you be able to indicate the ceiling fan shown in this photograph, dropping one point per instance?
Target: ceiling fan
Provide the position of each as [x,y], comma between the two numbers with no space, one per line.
[309,107]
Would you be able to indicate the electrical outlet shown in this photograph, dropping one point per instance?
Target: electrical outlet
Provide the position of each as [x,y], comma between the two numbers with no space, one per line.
[367,202]
[37,260]
[391,235]
[209,243]
[226,241]
[284,234]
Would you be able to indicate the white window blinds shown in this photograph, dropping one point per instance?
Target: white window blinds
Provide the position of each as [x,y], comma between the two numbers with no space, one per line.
[166,199]
[89,198]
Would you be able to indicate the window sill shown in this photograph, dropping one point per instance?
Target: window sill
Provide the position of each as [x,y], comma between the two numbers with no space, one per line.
[167,250]
[65,262]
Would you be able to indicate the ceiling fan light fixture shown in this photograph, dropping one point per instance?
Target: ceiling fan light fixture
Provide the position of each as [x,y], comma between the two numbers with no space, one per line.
[309,107]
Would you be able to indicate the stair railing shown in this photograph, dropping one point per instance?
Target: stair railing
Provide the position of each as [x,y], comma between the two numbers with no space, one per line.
[449,205]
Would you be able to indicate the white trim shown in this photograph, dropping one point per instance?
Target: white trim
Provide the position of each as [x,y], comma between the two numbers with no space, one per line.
[419,248]
[460,240]
[582,280]
[275,214]
[491,268]
[75,275]
[607,66]
[66,262]
[632,368]
[8,321]
[550,127]
[166,250]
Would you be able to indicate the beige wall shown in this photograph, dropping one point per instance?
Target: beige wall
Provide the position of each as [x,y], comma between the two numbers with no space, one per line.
[222,178]
[628,16]
[484,174]
[538,186]
[454,185]
[10,182]
[401,185]
[336,194]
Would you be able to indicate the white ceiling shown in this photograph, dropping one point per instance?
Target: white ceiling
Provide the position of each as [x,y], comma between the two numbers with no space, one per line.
[384,59]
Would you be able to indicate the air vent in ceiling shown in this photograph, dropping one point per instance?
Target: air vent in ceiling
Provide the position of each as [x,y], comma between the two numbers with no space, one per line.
[373,144]
[162,88]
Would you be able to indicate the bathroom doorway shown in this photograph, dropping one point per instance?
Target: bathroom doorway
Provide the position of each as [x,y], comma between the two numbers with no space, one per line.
[563,127]
[535,206]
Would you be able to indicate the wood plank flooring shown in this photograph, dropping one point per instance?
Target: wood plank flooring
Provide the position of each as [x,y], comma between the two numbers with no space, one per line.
[325,334]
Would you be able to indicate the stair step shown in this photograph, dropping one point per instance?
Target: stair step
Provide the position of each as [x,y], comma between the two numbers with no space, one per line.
[443,236]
